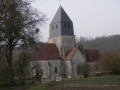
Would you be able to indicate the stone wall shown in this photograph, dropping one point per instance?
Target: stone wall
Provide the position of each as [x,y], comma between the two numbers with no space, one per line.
[92,67]
[68,69]
[65,42]
[76,61]
[48,68]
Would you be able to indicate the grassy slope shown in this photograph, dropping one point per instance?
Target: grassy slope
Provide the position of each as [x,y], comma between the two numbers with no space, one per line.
[103,80]
[42,86]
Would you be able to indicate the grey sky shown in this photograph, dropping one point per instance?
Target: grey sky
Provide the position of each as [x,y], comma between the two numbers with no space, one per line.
[91,18]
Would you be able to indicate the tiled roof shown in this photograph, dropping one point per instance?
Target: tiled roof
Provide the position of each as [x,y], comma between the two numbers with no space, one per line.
[46,51]
[70,54]
[92,55]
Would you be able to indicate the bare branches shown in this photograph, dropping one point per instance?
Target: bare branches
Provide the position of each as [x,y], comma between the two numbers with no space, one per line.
[18,24]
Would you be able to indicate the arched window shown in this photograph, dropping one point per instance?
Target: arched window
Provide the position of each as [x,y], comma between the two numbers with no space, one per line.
[41,72]
[49,68]
[68,25]
[56,26]
[49,64]
[55,70]
[52,27]
[78,69]
[65,25]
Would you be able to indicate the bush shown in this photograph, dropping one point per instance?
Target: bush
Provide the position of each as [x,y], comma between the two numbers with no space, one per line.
[12,84]
[22,83]
[85,70]
[7,84]
[111,62]
[115,71]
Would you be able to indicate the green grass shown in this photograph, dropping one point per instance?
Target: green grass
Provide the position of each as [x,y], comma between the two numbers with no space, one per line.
[109,80]
[42,86]
[102,80]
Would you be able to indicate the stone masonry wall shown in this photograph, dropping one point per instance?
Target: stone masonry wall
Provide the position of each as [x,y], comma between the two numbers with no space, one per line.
[65,42]
[77,59]
[48,67]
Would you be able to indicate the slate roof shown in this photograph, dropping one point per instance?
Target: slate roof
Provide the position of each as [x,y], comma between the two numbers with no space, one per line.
[92,55]
[61,16]
[46,51]
[61,24]
[70,54]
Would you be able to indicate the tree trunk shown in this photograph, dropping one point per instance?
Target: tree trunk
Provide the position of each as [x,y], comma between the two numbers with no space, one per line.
[9,59]
[10,71]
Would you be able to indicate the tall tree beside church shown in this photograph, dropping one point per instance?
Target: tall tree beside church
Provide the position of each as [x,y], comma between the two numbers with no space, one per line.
[18,25]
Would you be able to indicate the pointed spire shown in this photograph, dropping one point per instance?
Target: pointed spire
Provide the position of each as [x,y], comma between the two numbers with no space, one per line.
[61,24]
[61,15]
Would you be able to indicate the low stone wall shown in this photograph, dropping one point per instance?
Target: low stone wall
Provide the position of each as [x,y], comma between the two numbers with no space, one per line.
[105,87]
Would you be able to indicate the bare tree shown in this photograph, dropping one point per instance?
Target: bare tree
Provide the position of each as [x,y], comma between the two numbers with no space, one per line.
[18,25]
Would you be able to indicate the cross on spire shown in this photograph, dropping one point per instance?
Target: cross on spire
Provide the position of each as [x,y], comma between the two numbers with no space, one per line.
[60,2]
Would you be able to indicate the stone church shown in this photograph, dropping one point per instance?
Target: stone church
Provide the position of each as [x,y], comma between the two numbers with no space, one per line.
[60,57]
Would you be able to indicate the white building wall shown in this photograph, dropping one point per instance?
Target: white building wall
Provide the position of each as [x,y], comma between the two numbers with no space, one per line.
[77,59]
[68,69]
[48,67]
[65,42]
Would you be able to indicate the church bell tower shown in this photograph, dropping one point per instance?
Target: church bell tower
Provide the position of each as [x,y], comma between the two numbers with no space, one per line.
[61,31]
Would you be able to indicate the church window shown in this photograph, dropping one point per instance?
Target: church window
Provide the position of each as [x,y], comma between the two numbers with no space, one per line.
[49,64]
[78,69]
[55,70]
[65,25]
[56,26]
[41,72]
[52,27]
[68,25]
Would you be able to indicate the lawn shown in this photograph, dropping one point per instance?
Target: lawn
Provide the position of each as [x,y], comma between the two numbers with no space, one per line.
[102,80]
[43,86]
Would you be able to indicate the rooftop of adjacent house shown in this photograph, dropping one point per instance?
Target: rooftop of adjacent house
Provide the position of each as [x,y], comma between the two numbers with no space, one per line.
[71,53]
[46,51]
[92,55]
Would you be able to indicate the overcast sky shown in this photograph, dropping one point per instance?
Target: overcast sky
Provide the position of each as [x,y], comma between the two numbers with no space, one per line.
[91,18]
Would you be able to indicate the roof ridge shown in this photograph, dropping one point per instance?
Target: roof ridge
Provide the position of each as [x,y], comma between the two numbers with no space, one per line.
[71,53]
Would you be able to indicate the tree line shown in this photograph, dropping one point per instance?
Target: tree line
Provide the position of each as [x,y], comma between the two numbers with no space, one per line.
[103,44]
